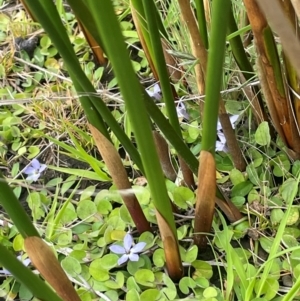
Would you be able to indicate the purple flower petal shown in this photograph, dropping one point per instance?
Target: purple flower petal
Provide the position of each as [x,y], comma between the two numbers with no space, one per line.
[138,247]
[233,119]
[35,164]
[133,257]
[128,240]
[29,170]
[26,262]
[42,168]
[181,111]
[123,259]
[33,177]
[219,146]
[221,137]
[117,249]
[156,94]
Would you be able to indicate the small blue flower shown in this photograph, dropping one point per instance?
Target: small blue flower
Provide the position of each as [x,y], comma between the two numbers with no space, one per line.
[181,111]
[156,93]
[128,251]
[34,170]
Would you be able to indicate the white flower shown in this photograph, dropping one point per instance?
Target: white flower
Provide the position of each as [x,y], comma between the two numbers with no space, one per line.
[128,251]
[221,145]
[34,170]
[156,93]
[181,111]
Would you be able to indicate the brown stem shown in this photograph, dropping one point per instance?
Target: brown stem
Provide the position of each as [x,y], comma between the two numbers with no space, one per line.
[117,171]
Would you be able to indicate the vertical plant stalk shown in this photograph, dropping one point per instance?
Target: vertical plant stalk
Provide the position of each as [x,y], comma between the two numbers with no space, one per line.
[197,44]
[45,261]
[164,156]
[176,74]
[137,20]
[97,51]
[271,68]
[207,13]
[247,71]
[117,171]
[207,172]
[205,200]
[171,247]
[268,95]
[167,88]
[291,73]
[202,21]
[200,53]
[103,13]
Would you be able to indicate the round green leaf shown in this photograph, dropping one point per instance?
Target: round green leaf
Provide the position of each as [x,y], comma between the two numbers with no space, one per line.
[236,176]
[150,295]
[145,277]
[108,261]
[18,243]
[132,295]
[86,209]
[241,189]
[289,241]
[276,216]
[185,284]
[183,196]
[210,292]
[159,258]
[87,193]
[293,216]
[262,134]
[191,254]
[65,237]
[71,266]
[203,269]
[103,206]
[97,272]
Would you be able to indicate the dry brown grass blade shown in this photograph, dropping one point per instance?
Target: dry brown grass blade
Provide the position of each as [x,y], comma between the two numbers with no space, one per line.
[97,50]
[268,95]
[284,29]
[276,95]
[118,173]
[198,48]
[232,143]
[207,10]
[188,176]
[163,152]
[205,200]
[296,5]
[45,261]
[173,260]
[255,101]
[135,18]
[290,72]
[175,72]
[232,213]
